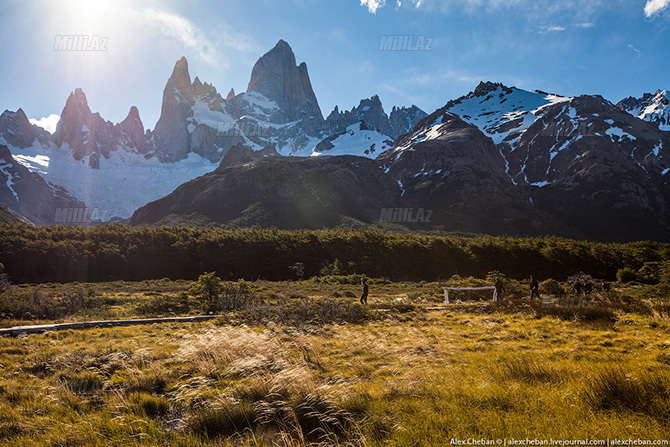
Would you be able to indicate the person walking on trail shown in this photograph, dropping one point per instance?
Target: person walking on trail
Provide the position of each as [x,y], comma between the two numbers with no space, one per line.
[499,289]
[364,291]
[588,288]
[534,288]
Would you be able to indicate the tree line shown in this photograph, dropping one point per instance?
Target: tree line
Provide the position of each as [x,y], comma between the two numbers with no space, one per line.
[111,252]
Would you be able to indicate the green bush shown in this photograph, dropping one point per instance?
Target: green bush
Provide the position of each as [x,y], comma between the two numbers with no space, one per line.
[657,292]
[339,279]
[207,287]
[551,287]
[626,275]
[236,295]
[32,304]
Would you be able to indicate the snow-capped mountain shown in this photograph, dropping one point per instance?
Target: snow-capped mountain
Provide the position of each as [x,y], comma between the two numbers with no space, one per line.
[371,112]
[580,160]
[16,131]
[502,113]
[27,194]
[499,160]
[193,120]
[98,163]
[653,108]
[279,107]
[90,138]
[120,167]
[366,130]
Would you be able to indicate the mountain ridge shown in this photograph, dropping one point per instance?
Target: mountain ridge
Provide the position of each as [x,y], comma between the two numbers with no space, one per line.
[499,160]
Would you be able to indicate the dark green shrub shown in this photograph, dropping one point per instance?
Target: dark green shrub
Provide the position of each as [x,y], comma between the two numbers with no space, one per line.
[551,287]
[207,287]
[626,275]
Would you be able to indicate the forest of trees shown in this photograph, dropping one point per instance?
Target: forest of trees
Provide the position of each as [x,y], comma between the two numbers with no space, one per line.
[121,252]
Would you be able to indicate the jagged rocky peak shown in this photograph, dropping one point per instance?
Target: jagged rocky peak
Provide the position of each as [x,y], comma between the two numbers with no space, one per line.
[371,112]
[196,83]
[276,76]
[170,133]
[73,118]
[202,89]
[76,107]
[133,127]
[180,81]
[19,117]
[650,107]
[231,94]
[17,131]
[373,102]
[86,133]
[403,119]
[487,87]
[207,92]
[660,97]
[133,118]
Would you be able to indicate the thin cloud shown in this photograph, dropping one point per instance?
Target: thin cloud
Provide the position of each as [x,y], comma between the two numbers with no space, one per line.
[47,123]
[582,10]
[184,31]
[653,7]
[555,28]
[630,45]
[551,29]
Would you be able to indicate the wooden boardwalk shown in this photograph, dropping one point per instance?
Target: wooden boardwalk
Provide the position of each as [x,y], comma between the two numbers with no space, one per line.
[40,328]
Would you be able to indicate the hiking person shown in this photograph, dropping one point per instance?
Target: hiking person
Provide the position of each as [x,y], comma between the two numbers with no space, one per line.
[364,291]
[588,288]
[499,289]
[534,288]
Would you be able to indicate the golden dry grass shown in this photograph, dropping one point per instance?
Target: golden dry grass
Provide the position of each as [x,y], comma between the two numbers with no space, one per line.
[412,378]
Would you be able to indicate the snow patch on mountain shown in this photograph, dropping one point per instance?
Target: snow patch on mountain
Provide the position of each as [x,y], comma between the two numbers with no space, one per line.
[620,133]
[124,182]
[428,132]
[202,114]
[4,168]
[258,105]
[357,141]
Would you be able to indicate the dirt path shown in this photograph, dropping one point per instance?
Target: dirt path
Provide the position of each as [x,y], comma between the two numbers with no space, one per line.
[38,329]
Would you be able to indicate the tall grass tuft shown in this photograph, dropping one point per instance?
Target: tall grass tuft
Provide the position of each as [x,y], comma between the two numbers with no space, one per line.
[527,370]
[279,394]
[618,390]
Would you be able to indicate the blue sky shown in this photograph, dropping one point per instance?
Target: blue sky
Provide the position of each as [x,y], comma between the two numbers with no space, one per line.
[614,48]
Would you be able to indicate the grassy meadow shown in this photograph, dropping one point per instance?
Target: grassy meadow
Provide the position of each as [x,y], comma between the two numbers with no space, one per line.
[303,363]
